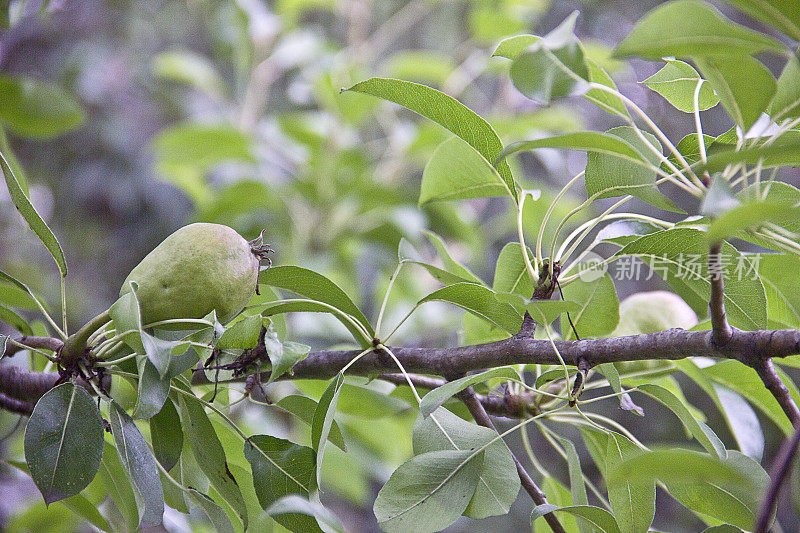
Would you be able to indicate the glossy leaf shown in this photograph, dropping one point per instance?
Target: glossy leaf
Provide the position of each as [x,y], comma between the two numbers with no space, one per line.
[689,28]
[510,274]
[633,498]
[480,301]
[140,466]
[64,442]
[434,399]
[609,176]
[445,111]
[457,171]
[167,435]
[37,109]
[32,217]
[545,311]
[499,481]
[279,468]
[590,141]
[314,286]
[323,420]
[429,492]
[677,82]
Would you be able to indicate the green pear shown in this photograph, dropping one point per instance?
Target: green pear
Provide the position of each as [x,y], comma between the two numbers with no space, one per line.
[199,268]
[650,312]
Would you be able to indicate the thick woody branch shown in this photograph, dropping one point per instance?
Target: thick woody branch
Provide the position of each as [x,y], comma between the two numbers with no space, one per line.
[721,331]
[537,495]
[25,385]
[15,406]
[42,343]
[775,385]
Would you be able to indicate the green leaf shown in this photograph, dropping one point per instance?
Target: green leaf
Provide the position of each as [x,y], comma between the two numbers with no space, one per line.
[680,257]
[545,311]
[304,408]
[577,486]
[603,99]
[37,109]
[457,171]
[510,274]
[140,466]
[201,146]
[450,264]
[445,111]
[499,481]
[786,100]
[588,514]
[350,322]
[207,450]
[719,198]
[429,492]
[633,498]
[216,515]
[282,360]
[31,216]
[406,253]
[64,442]
[167,435]
[117,485]
[608,176]
[744,85]
[750,215]
[435,398]
[187,67]
[704,435]
[279,467]
[781,14]
[323,420]
[689,28]
[3,341]
[744,380]
[513,46]
[784,151]
[480,301]
[590,141]
[314,286]
[729,490]
[243,335]
[677,82]
[299,515]
[15,321]
[598,312]
[553,66]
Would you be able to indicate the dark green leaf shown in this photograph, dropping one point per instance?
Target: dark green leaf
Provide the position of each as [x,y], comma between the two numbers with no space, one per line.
[140,466]
[429,492]
[608,176]
[167,435]
[118,486]
[64,442]
[279,468]
[434,399]
[499,481]
[677,82]
[781,14]
[15,321]
[445,111]
[31,216]
[323,420]
[37,109]
[216,515]
[689,28]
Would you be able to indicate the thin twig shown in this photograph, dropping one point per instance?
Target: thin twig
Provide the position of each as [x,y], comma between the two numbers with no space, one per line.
[721,331]
[537,495]
[779,473]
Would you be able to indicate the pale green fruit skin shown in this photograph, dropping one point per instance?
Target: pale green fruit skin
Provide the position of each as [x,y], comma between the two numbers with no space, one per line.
[650,312]
[199,268]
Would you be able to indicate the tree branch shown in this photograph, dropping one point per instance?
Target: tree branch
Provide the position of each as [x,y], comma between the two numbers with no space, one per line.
[42,343]
[537,495]
[721,331]
[780,470]
[15,406]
